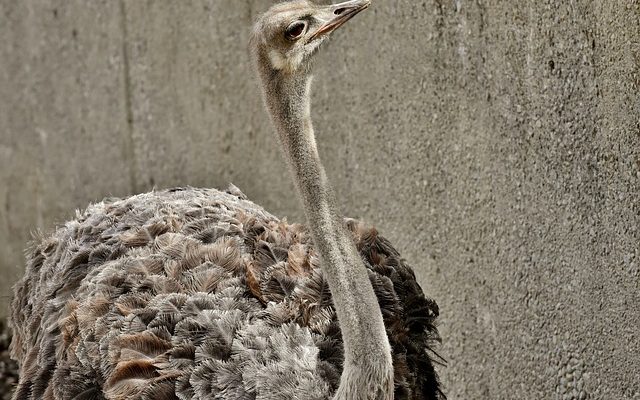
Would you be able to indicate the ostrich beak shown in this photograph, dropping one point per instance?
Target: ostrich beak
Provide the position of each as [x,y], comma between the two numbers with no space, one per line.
[338,14]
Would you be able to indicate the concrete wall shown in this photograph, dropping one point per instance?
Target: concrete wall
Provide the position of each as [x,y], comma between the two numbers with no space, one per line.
[496,143]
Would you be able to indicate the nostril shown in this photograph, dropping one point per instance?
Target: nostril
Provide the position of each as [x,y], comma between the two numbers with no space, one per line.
[339,11]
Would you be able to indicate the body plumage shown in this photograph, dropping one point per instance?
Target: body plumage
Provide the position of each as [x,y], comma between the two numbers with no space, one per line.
[204,294]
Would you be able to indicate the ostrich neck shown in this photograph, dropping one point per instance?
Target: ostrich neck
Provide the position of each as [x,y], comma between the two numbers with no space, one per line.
[365,342]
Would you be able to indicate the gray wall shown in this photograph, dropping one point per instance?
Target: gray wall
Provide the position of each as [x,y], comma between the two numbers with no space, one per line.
[496,143]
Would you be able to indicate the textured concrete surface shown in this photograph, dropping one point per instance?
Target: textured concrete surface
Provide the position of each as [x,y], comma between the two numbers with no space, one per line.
[496,143]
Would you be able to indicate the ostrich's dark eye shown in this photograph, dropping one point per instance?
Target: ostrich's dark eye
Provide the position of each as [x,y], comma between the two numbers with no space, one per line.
[295,30]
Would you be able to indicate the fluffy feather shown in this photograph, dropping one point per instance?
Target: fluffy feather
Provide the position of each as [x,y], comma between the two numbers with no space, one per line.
[126,302]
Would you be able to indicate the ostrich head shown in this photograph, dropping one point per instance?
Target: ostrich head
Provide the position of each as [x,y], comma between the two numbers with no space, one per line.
[286,37]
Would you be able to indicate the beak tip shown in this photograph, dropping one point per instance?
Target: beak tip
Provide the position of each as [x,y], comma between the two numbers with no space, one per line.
[341,13]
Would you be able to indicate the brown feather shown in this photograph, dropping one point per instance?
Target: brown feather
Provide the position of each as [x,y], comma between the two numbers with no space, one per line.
[101,311]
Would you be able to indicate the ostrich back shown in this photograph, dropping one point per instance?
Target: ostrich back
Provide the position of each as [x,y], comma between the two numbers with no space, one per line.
[201,294]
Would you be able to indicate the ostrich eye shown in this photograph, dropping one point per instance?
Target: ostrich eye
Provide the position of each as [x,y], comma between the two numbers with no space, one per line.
[295,30]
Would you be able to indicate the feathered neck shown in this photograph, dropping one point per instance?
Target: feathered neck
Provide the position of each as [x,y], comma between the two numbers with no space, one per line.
[368,370]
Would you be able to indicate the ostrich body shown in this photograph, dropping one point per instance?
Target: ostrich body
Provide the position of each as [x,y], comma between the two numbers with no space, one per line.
[201,294]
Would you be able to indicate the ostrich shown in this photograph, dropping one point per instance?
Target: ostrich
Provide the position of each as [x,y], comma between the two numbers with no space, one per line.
[201,294]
